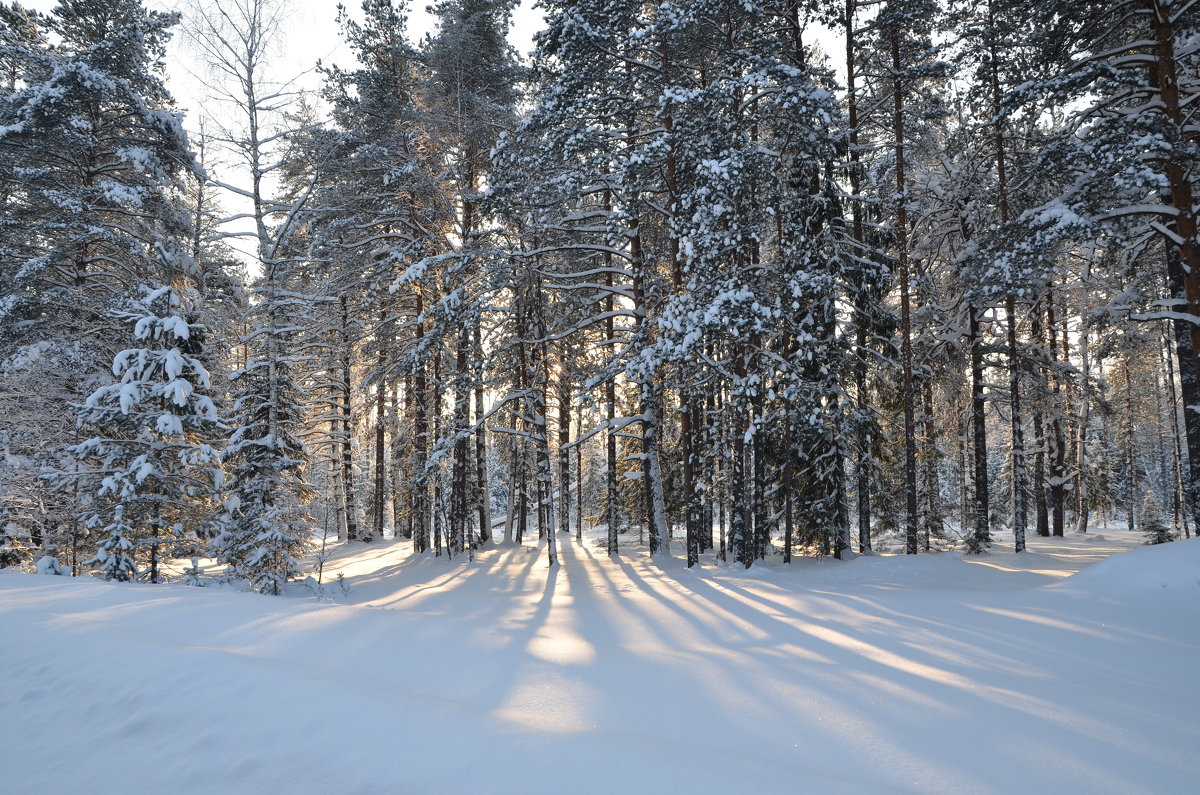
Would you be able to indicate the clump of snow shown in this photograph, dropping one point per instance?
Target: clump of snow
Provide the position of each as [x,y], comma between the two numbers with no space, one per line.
[48,564]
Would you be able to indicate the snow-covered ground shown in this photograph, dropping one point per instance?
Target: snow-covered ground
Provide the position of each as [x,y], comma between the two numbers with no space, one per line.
[922,674]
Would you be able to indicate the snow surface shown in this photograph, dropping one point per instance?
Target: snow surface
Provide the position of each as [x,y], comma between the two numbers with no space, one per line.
[934,673]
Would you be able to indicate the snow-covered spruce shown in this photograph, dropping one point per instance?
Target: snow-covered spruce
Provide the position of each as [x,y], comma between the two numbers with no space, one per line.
[149,460]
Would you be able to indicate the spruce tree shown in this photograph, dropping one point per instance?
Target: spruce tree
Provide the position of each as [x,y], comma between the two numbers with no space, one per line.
[150,459]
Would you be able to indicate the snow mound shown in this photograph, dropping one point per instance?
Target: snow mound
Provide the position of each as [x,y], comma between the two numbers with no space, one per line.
[1174,565]
[49,565]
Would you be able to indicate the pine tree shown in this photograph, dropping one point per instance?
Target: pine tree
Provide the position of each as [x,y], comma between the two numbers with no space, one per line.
[91,156]
[380,212]
[1129,153]
[470,98]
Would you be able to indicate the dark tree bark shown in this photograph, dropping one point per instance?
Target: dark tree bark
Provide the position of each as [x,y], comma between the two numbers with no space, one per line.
[981,535]
[907,392]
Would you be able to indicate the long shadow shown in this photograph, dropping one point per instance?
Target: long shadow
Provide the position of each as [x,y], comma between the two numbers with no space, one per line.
[854,653]
[463,573]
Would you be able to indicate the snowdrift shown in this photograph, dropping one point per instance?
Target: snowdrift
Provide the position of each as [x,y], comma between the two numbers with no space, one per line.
[1173,566]
[499,676]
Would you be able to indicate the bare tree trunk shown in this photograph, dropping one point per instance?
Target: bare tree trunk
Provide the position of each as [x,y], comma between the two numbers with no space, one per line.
[863,464]
[713,476]
[460,513]
[739,508]
[522,492]
[612,499]
[401,515]
[758,501]
[435,473]
[1016,431]
[579,481]
[339,487]
[513,474]
[788,528]
[691,495]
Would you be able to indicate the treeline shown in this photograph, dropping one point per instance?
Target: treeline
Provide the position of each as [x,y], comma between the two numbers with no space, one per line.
[688,274]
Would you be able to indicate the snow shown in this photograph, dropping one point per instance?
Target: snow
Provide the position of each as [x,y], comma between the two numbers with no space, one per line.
[49,565]
[934,673]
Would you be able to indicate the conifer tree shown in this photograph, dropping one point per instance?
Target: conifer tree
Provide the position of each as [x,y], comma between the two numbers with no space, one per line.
[150,461]
[91,156]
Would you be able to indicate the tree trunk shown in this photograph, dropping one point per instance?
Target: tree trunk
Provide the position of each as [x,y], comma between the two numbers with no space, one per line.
[339,488]
[691,496]
[460,513]
[981,533]
[1057,439]
[481,456]
[1131,478]
[863,465]
[1010,303]
[564,450]
[788,527]
[612,498]
[901,226]
[579,481]
[1042,520]
[418,481]
[1178,500]
[379,499]
[739,508]
[934,518]
[353,532]
[1082,506]
[1015,429]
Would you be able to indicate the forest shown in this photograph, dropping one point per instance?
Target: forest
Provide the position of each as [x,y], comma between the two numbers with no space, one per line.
[725,279]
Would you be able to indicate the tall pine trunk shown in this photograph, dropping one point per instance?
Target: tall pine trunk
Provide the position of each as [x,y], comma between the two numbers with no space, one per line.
[981,532]
[481,455]
[1183,260]
[345,397]
[1016,432]
[906,353]
[419,405]
[1057,437]
[1041,513]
